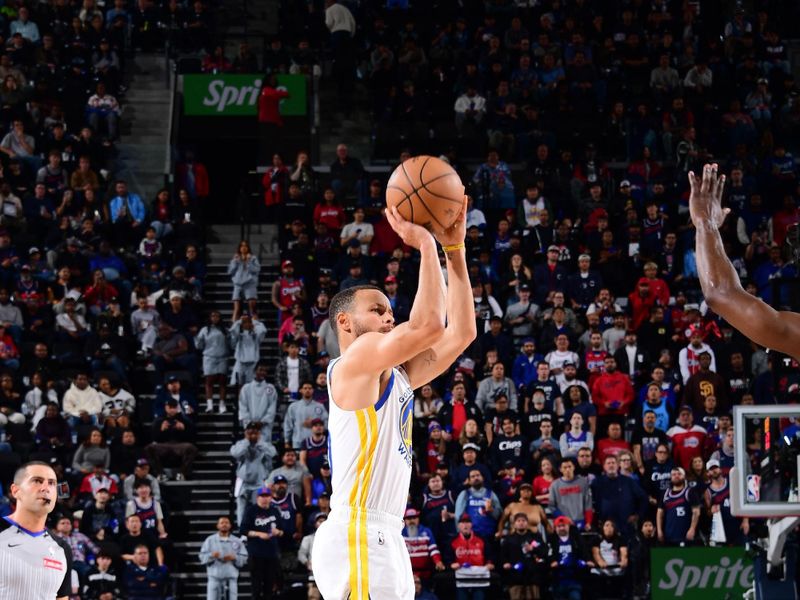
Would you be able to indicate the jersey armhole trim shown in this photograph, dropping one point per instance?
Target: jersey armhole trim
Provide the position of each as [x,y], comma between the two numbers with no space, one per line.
[385,395]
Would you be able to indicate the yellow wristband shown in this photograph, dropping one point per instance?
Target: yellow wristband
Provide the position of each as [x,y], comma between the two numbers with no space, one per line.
[453,248]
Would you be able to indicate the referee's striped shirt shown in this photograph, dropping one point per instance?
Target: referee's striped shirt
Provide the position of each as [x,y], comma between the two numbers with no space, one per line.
[34,565]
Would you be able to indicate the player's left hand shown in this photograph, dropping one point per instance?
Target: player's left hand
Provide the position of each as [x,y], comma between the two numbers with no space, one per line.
[456,233]
[705,201]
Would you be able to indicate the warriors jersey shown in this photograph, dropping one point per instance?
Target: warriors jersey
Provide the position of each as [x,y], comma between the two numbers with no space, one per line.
[370,449]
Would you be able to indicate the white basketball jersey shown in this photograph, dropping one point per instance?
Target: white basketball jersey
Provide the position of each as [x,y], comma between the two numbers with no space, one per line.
[370,449]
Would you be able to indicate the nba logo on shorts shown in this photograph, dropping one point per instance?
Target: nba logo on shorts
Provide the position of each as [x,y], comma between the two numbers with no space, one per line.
[753,488]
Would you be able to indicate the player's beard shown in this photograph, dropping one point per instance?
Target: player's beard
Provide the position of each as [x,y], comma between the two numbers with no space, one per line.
[359,328]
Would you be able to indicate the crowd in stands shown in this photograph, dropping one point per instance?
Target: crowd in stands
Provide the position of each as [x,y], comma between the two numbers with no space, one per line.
[591,419]
[101,290]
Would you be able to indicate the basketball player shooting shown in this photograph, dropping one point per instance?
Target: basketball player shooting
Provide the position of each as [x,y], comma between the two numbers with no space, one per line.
[778,330]
[358,552]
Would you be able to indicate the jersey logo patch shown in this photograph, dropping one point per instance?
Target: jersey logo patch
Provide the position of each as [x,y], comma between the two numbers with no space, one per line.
[50,563]
[406,426]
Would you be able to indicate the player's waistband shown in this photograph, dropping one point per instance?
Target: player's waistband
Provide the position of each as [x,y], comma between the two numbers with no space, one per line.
[344,514]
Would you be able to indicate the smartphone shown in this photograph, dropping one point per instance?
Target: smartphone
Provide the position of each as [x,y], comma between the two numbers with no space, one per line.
[63,490]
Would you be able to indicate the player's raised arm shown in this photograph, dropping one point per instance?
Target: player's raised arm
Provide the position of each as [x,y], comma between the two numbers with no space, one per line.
[384,347]
[461,328]
[721,287]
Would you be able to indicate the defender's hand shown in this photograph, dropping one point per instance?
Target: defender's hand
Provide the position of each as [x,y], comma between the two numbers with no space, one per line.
[456,233]
[705,201]
[412,235]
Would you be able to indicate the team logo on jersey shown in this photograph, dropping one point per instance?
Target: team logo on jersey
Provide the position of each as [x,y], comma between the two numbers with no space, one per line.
[406,427]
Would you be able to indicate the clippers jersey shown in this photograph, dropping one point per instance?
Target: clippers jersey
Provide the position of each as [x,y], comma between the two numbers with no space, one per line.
[370,449]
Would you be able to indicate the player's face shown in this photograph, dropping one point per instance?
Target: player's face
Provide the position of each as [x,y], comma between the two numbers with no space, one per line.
[37,491]
[372,313]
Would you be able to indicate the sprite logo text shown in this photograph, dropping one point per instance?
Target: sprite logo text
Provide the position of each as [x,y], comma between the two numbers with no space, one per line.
[690,573]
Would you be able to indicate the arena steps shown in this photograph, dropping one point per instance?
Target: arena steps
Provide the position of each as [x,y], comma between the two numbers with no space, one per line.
[208,494]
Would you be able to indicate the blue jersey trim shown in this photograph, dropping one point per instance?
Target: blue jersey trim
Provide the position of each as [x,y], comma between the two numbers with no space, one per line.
[382,400]
[21,528]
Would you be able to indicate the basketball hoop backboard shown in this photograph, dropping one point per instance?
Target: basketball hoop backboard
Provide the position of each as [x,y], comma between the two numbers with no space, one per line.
[766,473]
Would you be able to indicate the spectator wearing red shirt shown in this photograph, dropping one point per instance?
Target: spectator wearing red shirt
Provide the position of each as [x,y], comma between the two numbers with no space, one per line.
[329,212]
[612,394]
[781,220]
[275,181]
[658,286]
[611,445]
[641,301]
[687,438]
[270,123]
[468,547]
[425,555]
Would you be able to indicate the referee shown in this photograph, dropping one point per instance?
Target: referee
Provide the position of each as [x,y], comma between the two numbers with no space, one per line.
[34,564]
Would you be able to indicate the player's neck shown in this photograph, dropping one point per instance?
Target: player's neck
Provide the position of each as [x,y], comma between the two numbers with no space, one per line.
[28,520]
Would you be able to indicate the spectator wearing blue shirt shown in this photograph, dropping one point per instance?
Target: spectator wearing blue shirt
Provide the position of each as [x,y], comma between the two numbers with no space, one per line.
[25,27]
[127,214]
[618,498]
[524,371]
[143,582]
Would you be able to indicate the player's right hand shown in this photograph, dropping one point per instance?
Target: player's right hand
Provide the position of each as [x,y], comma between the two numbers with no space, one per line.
[457,232]
[705,201]
[412,235]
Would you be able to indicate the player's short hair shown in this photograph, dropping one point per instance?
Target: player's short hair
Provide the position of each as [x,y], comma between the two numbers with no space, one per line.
[22,472]
[342,302]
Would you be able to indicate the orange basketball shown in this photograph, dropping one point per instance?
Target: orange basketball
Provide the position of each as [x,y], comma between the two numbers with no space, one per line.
[426,191]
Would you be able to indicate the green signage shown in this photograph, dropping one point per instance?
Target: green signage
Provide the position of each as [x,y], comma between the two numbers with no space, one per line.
[699,573]
[229,95]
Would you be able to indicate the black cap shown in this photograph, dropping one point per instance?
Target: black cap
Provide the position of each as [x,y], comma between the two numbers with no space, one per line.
[172,402]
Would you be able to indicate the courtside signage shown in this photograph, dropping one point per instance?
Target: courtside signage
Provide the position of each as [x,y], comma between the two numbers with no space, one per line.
[699,573]
[229,95]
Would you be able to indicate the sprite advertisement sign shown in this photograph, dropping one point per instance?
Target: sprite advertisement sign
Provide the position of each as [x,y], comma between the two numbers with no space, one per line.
[234,95]
[699,573]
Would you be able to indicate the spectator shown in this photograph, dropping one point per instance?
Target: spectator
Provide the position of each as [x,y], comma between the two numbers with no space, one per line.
[612,394]
[212,341]
[610,557]
[142,581]
[470,109]
[618,498]
[127,213]
[291,370]
[246,336]
[296,474]
[260,526]
[301,415]
[490,387]
[82,403]
[575,438]
[678,512]
[171,350]
[136,537]
[243,270]
[687,438]
[119,405]
[141,472]
[223,555]
[254,459]
[149,511]
[689,356]
[101,579]
[93,451]
[612,445]
[103,109]
[523,555]
[571,496]
[472,566]
[173,435]
[78,543]
[480,504]
[648,435]
[425,556]
[703,383]
[567,560]
[98,521]
[180,393]
[304,554]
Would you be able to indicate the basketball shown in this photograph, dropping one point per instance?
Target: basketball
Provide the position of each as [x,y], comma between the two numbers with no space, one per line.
[426,191]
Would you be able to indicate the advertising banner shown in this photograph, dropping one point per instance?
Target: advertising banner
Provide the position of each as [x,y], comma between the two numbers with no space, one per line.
[699,573]
[235,95]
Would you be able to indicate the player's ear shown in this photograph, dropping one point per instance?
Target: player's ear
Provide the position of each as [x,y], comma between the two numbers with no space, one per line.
[343,321]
